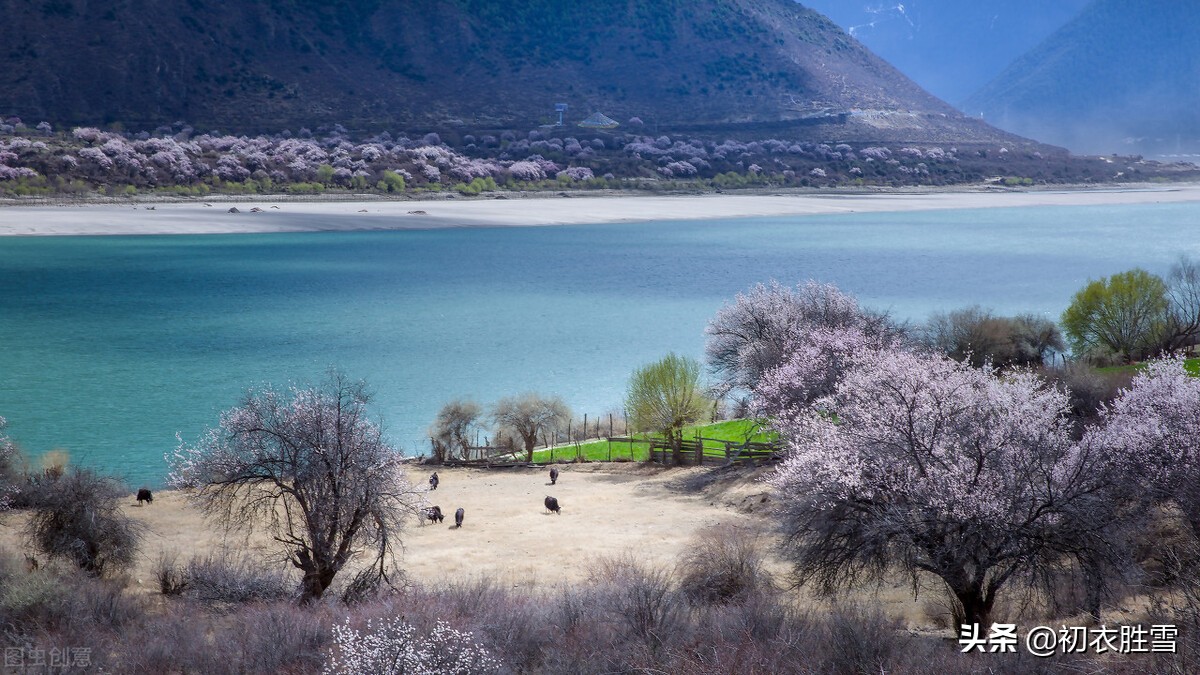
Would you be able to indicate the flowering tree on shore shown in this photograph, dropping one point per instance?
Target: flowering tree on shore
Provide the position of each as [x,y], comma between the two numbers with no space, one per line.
[309,467]
[766,326]
[944,469]
[1151,428]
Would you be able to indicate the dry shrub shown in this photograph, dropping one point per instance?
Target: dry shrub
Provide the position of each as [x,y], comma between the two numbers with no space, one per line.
[1179,604]
[861,640]
[276,637]
[642,603]
[48,601]
[754,634]
[77,517]
[230,578]
[262,638]
[723,563]
[510,624]
[1089,389]
[54,463]
[172,579]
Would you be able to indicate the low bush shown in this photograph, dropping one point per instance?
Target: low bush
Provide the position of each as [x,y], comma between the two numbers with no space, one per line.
[641,602]
[723,563]
[172,580]
[45,601]
[222,578]
[77,517]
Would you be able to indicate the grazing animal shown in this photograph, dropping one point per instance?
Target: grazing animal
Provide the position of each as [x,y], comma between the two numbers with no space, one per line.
[553,475]
[433,481]
[434,513]
[458,516]
[144,495]
[552,505]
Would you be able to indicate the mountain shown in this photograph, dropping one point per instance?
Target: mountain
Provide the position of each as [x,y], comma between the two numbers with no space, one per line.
[265,65]
[1121,77]
[950,47]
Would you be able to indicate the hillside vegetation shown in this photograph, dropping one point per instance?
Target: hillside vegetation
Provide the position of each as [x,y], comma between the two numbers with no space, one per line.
[401,64]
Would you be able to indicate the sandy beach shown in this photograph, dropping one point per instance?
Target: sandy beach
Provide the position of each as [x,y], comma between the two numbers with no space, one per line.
[287,215]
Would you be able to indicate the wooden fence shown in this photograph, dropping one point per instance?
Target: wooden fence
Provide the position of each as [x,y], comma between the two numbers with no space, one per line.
[697,451]
[714,451]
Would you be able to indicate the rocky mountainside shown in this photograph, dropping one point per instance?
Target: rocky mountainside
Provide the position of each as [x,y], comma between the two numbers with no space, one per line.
[1122,77]
[265,65]
[950,47]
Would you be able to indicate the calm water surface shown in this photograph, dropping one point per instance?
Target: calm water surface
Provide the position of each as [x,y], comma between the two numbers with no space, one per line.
[109,346]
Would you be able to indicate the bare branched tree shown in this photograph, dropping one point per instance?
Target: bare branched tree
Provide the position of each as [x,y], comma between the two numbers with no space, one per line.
[1183,310]
[451,431]
[975,335]
[528,415]
[308,466]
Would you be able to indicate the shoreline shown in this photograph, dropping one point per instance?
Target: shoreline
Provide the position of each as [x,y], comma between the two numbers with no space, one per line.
[287,214]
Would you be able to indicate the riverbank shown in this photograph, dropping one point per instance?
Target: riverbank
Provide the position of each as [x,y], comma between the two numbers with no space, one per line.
[265,214]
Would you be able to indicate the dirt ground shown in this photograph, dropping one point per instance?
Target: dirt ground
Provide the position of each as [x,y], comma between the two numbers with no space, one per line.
[607,510]
[651,513]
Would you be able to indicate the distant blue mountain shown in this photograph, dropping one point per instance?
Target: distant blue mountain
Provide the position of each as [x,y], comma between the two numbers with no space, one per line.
[950,47]
[1124,76]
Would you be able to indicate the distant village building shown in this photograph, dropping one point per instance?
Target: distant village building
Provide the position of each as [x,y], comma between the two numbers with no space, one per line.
[599,121]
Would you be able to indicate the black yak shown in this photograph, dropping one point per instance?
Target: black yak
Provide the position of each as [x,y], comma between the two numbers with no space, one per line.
[433,481]
[458,516]
[434,513]
[144,495]
[552,505]
[553,475]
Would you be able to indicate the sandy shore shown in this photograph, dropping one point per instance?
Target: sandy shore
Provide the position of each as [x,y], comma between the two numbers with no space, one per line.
[309,216]
[607,510]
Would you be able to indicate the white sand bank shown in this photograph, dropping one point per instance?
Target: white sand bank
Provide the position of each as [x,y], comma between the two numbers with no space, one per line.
[305,216]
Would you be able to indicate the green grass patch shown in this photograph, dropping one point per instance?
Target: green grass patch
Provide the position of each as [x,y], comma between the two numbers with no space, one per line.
[737,431]
[1192,366]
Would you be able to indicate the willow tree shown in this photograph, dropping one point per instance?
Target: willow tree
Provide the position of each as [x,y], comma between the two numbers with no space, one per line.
[309,467]
[1125,314]
[666,396]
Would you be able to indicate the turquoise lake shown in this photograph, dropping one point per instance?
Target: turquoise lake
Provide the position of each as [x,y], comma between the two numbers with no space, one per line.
[109,346]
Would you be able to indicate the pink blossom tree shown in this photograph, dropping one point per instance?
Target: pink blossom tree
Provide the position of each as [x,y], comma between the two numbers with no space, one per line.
[8,467]
[764,326]
[309,467]
[1152,429]
[926,463]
